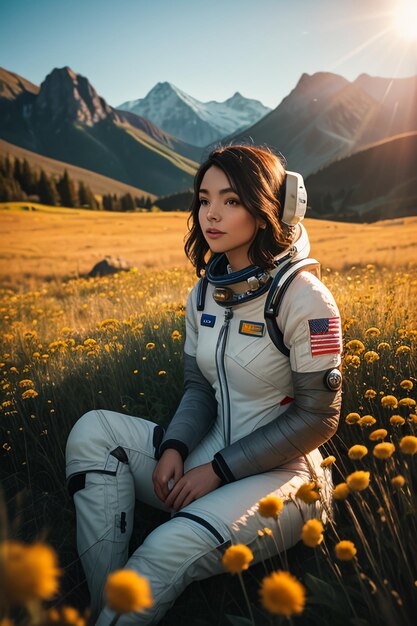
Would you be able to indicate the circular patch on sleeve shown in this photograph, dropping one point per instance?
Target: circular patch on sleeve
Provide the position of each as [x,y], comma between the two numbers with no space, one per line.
[333,379]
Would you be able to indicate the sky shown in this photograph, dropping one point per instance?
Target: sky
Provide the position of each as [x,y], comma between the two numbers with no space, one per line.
[208,48]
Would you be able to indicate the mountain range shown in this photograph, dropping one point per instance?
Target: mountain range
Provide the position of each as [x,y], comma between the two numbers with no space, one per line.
[326,125]
[192,121]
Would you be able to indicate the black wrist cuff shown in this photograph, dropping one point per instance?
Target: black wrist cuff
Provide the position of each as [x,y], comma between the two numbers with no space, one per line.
[174,444]
[221,468]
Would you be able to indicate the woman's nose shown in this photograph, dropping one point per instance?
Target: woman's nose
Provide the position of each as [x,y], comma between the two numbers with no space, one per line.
[212,213]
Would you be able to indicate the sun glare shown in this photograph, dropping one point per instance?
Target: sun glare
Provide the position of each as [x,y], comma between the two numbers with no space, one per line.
[406,19]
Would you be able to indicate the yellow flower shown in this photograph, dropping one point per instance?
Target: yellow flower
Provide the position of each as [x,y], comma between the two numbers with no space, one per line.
[150,345]
[70,615]
[345,550]
[90,343]
[237,558]
[176,335]
[307,494]
[31,571]
[357,452]
[341,491]
[397,420]
[281,593]
[352,360]
[406,384]
[378,434]
[408,444]
[409,402]
[29,393]
[352,418]
[126,591]
[109,324]
[329,460]
[355,346]
[26,382]
[402,350]
[371,356]
[271,506]
[367,420]
[384,450]
[370,393]
[398,481]
[58,345]
[383,346]
[312,533]
[389,402]
[53,615]
[372,332]
[358,480]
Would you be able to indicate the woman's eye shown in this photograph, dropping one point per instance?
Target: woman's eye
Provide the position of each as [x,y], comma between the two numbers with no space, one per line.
[202,201]
[233,200]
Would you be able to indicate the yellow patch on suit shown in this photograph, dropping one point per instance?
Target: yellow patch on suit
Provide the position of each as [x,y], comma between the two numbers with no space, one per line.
[254,329]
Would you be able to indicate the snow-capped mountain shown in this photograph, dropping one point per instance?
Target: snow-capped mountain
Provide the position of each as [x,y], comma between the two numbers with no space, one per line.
[197,123]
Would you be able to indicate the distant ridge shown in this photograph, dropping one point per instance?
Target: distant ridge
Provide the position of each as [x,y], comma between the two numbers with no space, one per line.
[326,117]
[377,182]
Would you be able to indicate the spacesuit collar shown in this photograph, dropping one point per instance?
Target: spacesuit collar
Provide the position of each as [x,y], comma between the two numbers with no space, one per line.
[218,270]
[252,281]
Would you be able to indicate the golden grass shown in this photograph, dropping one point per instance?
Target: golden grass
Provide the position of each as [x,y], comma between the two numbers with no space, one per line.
[54,242]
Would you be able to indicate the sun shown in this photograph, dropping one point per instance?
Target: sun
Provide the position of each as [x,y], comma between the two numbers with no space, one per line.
[406,19]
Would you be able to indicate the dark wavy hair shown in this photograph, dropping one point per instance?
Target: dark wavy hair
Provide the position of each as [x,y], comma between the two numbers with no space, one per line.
[256,174]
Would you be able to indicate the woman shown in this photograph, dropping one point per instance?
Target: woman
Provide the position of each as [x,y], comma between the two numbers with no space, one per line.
[251,417]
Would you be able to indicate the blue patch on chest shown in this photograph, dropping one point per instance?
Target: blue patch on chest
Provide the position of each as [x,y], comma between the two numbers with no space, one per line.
[208,320]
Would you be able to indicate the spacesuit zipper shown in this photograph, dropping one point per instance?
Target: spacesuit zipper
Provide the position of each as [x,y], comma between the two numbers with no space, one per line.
[221,372]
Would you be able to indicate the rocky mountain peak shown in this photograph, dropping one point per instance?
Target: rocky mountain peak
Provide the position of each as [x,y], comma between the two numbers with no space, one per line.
[65,94]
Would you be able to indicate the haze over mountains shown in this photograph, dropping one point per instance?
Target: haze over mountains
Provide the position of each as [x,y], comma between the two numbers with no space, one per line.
[325,120]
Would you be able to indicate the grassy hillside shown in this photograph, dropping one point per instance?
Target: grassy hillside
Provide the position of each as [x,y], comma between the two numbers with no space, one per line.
[98,183]
[39,242]
[378,182]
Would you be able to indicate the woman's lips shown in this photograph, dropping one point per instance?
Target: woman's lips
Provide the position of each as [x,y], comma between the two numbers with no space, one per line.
[214,234]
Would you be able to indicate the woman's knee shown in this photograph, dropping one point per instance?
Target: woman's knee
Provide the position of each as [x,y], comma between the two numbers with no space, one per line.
[86,429]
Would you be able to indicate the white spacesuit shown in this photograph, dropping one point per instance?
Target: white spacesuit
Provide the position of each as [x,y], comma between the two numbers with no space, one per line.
[255,413]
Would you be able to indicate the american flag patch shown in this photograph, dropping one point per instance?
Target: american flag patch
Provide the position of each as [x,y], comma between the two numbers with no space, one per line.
[325,336]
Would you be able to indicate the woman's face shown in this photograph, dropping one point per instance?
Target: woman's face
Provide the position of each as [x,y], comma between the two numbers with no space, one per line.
[227,226]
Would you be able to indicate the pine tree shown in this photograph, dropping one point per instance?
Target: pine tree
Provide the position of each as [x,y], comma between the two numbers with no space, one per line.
[47,190]
[106,202]
[28,182]
[10,190]
[86,196]
[18,171]
[115,203]
[8,169]
[67,192]
[127,203]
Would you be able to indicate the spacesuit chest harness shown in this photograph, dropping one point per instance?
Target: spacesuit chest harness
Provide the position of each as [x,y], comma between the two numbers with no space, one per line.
[259,282]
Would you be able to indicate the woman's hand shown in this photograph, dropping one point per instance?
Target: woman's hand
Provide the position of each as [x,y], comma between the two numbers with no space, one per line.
[169,467]
[194,484]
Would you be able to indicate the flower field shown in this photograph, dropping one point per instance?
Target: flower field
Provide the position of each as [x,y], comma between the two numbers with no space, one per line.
[116,343]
